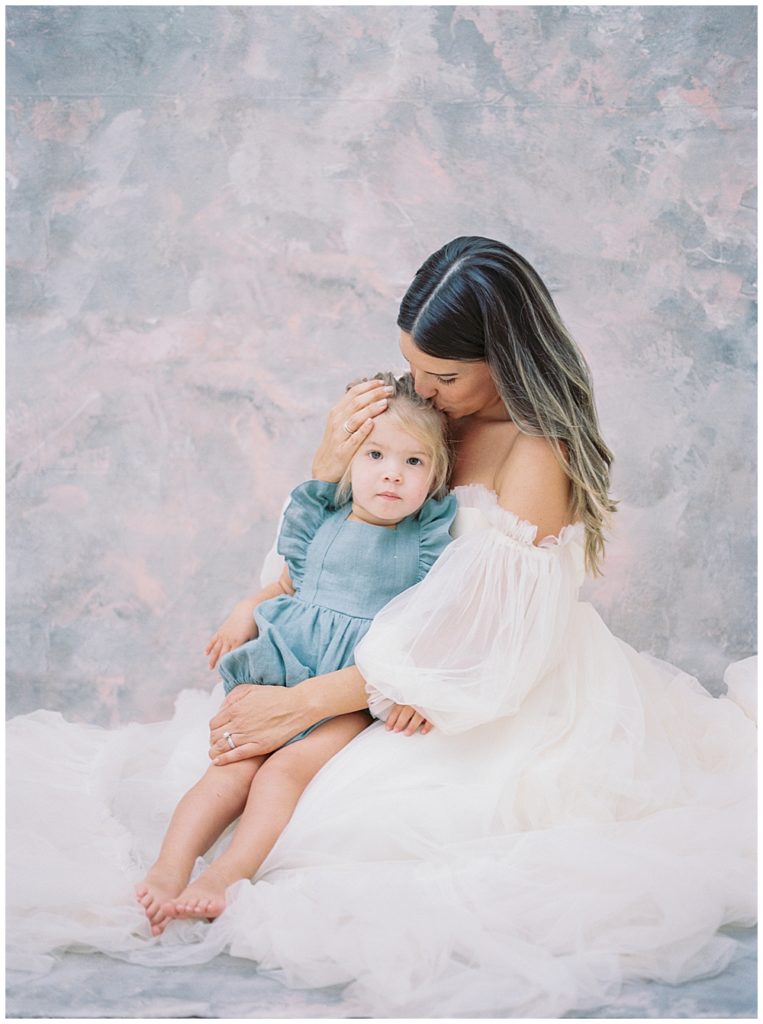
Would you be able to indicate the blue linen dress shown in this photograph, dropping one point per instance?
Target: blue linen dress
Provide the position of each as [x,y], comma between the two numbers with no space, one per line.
[343,572]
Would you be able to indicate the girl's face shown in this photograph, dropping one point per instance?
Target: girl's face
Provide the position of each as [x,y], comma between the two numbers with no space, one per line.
[456,387]
[390,474]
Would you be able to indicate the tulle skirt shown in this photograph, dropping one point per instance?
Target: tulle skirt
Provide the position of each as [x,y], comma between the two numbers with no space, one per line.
[526,867]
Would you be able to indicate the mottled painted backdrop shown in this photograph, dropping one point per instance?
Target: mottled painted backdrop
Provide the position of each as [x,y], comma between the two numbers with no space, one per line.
[212,215]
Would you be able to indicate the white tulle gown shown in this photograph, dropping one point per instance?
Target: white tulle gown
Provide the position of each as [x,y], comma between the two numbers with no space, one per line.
[582,814]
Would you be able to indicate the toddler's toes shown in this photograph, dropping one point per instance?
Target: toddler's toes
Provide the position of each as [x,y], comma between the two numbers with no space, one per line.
[215,907]
[169,909]
[159,922]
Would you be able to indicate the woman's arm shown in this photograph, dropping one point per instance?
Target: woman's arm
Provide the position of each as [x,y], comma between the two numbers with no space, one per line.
[263,718]
[533,486]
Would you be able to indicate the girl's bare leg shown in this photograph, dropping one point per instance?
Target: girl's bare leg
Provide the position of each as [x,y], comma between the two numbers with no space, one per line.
[200,818]
[274,793]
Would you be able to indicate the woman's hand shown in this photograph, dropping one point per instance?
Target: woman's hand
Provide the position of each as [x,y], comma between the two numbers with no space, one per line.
[403,718]
[349,424]
[260,719]
[236,630]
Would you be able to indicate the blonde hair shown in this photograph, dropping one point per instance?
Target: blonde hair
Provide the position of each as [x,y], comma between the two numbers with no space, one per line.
[419,418]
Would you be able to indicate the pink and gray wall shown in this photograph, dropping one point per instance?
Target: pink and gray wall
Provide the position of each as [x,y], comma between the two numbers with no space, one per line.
[212,215]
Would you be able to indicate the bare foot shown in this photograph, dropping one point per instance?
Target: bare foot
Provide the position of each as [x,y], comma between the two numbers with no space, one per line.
[204,897]
[159,886]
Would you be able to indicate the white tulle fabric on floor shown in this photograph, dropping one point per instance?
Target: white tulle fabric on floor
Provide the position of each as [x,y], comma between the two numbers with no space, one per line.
[582,815]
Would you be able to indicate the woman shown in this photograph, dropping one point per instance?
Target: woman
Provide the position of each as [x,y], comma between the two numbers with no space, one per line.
[576,814]
[484,341]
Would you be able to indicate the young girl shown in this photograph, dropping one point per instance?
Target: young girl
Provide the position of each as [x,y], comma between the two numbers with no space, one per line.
[349,548]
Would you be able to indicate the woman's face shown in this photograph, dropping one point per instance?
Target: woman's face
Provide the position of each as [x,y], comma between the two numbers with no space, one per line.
[456,388]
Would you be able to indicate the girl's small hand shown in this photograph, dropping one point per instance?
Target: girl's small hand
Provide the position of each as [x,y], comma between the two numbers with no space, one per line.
[349,424]
[236,630]
[403,718]
[285,583]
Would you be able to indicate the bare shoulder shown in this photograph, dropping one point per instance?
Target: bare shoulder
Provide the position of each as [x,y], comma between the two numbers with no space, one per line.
[534,486]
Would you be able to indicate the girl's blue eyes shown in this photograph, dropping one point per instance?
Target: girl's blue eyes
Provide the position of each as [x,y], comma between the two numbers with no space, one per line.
[414,460]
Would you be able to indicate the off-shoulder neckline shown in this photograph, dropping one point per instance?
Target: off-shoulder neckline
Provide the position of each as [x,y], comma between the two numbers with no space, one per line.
[468,496]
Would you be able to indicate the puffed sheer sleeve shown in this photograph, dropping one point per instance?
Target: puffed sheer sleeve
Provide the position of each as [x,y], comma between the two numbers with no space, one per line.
[468,643]
[309,505]
[435,518]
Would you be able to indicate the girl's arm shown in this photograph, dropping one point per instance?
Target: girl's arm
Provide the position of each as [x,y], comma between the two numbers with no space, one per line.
[240,625]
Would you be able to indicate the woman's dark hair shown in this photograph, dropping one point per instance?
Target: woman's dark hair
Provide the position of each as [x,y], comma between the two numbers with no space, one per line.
[478,300]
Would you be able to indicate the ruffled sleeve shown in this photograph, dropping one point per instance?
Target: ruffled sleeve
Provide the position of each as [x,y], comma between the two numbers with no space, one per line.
[468,644]
[309,506]
[434,518]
